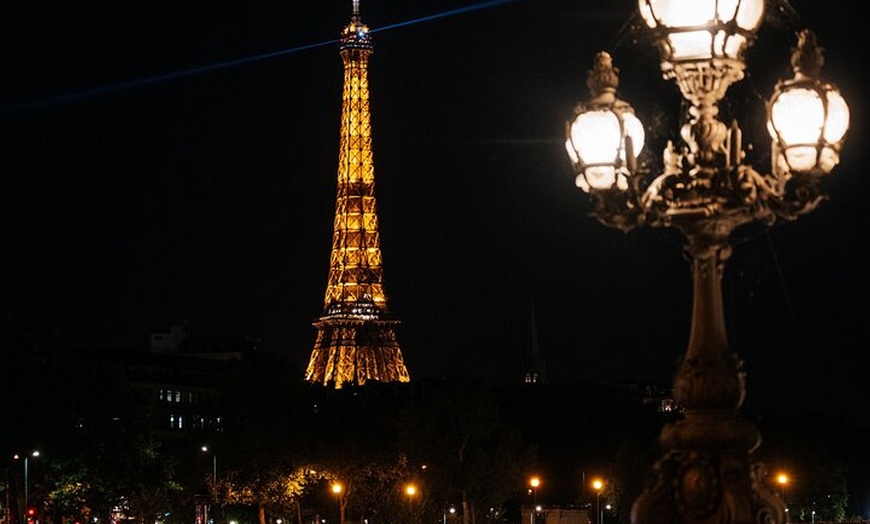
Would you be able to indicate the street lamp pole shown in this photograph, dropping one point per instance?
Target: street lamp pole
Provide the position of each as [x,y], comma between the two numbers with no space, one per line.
[534,482]
[782,479]
[338,489]
[205,449]
[704,190]
[411,492]
[26,483]
[598,506]
[207,512]
[452,510]
[598,485]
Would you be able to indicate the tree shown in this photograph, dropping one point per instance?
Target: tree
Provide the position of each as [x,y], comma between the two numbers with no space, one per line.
[472,455]
[103,457]
[353,440]
[263,452]
[803,447]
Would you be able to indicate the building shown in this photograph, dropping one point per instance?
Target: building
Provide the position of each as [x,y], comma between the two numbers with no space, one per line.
[356,334]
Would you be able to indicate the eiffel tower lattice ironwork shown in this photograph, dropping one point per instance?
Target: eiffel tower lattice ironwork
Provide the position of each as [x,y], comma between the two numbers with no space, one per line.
[356,334]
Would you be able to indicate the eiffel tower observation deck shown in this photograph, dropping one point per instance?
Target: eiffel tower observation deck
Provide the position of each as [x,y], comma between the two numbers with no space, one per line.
[356,334]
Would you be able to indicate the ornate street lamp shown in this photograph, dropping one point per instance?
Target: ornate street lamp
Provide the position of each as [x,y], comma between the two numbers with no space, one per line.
[705,190]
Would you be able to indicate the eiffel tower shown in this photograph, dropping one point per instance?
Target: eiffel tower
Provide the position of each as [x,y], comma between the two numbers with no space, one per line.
[356,334]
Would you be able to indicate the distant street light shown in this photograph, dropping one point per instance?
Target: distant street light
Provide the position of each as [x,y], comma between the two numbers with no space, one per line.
[782,480]
[534,482]
[452,510]
[598,485]
[26,482]
[411,492]
[206,515]
[338,489]
[205,449]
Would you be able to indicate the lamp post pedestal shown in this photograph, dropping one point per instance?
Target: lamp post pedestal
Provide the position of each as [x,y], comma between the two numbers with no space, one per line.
[707,473]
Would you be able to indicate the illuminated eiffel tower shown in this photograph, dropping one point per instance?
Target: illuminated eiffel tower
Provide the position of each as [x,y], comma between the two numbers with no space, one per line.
[356,338]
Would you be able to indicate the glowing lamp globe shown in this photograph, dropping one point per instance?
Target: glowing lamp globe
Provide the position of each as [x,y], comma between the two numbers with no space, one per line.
[604,137]
[602,142]
[808,119]
[703,29]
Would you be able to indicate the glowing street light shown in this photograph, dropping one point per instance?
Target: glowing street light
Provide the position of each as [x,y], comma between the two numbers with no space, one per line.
[34,454]
[782,479]
[207,518]
[411,492]
[452,512]
[598,485]
[338,489]
[205,449]
[534,482]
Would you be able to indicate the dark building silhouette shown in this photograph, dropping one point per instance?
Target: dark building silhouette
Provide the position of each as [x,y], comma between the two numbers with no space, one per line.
[532,367]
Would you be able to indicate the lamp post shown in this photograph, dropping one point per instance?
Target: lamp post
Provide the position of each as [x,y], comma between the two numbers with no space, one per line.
[411,492]
[598,485]
[205,449]
[534,482]
[24,511]
[782,479]
[452,511]
[207,512]
[705,190]
[338,489]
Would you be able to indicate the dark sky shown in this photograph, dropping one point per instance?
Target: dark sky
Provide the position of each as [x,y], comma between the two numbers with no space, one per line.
[164,163]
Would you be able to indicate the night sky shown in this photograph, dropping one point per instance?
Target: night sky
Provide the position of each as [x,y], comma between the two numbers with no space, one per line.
[177,162]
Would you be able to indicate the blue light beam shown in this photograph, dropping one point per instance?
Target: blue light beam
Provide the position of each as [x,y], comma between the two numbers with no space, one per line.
[153,80]
[89,93]
[452,12]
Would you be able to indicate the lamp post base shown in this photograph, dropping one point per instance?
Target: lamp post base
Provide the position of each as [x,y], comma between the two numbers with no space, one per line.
[707,475]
